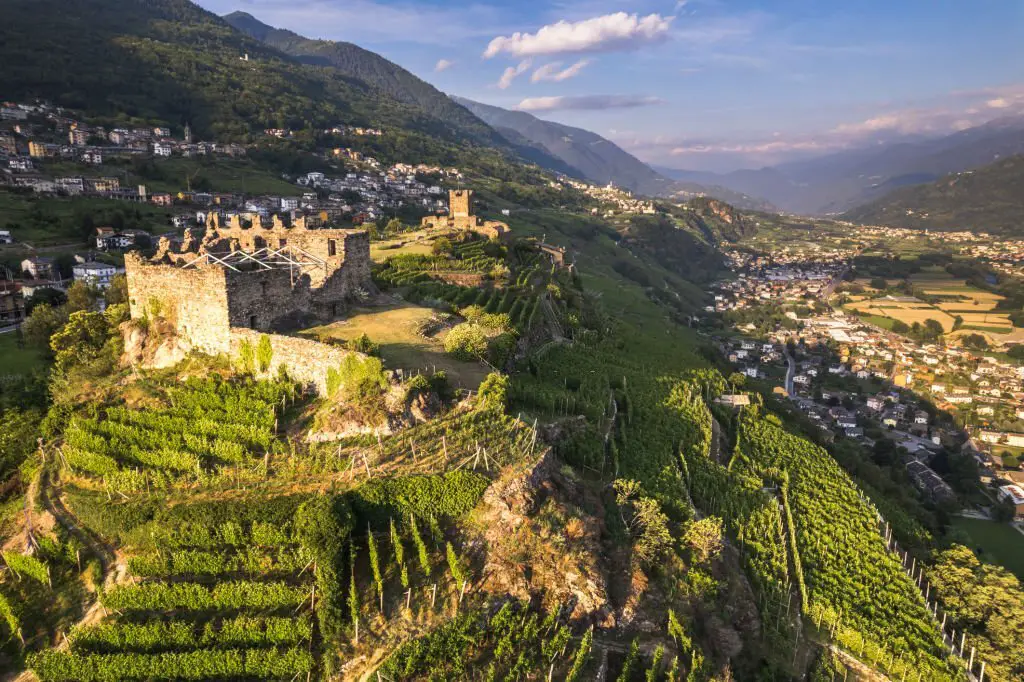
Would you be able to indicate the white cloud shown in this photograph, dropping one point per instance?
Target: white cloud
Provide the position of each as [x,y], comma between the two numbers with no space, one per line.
[554,71]
[586,102]
[443,65]
[513,72]
[998,103]
[619,31]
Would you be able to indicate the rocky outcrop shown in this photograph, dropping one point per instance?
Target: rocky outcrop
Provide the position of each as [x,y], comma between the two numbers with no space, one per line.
[153,345]
[541,546]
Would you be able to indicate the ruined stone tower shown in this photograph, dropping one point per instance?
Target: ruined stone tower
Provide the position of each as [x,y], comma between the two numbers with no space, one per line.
[460,203]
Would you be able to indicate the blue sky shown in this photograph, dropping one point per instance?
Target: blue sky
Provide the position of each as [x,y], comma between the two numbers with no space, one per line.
[700,84]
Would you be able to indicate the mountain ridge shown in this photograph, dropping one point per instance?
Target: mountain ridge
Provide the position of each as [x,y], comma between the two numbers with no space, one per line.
[352,61]
[986,199]
[600,160]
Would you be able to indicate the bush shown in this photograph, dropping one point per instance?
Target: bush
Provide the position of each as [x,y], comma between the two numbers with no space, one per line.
[358,378]
[363,344]
[467,341]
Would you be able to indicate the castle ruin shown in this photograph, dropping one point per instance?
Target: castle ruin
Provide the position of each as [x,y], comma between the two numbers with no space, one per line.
[460,217]
[248,275]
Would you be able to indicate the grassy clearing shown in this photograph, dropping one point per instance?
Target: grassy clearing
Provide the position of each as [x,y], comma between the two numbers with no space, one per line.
[16,360]
[996,542]
[381,251]
[401,346]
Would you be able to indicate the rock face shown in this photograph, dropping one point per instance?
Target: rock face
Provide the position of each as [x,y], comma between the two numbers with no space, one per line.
[541,546]
[156,346]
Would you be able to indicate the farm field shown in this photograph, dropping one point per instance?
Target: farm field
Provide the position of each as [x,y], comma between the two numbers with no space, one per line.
[905,311]
[975,307]
[401,346]
[996,542]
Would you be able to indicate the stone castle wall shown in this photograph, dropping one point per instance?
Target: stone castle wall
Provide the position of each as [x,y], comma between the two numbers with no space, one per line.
[194,301]
[305,360]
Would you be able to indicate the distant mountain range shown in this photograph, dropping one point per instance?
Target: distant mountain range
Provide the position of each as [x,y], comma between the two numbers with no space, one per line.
[989,199]
[599,160]
[836,183]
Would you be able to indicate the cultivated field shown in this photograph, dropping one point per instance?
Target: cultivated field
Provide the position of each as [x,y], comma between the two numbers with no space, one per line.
[908,312]
[975,307]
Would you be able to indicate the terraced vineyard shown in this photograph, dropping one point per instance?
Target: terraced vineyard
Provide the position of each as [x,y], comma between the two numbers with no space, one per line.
[520,281]
[203,602]
[208,432]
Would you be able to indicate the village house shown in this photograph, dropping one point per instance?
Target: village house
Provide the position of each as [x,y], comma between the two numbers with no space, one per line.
[39,267]
[94,274]
[107,239]
[1013,494]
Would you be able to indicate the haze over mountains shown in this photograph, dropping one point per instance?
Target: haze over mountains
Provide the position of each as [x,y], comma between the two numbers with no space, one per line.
[836,183]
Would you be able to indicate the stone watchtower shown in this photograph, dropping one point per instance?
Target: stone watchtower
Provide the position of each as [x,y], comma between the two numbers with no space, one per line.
[460,203]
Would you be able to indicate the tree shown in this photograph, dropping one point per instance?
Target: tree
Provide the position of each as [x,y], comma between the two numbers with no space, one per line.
[441,246]
[80,297]
[879,283]
[117,292]
[900,327]
[704,537]
[933,329]
[644,520]
[44,321]
[467,341]
[80,340]
[975,341]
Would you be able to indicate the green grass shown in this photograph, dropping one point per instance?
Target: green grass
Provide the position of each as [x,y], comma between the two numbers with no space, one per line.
[18,361]
[395,329]
[990,330]
[879,321]
[995,542]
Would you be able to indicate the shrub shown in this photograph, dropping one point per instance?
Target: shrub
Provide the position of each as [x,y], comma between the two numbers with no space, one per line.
[358,378]
[467,341]
[363,344]
[264,353]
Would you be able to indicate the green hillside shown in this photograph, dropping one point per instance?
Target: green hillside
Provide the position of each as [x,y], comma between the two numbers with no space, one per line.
[171,62]
[984,200]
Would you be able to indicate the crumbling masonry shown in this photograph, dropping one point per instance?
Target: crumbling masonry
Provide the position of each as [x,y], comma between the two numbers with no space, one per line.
[460,217]
[247,275]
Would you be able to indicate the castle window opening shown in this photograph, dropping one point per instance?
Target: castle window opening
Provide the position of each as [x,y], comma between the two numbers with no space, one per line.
[332,247]
[252,321]
[263,287]
[334,309]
